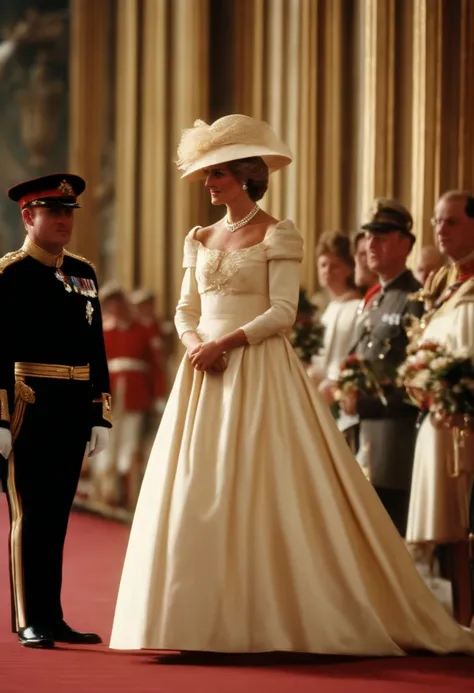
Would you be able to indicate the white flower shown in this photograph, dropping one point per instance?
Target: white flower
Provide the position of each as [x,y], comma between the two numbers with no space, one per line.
[461,353]
[424,356]
[420,380]
[440,363]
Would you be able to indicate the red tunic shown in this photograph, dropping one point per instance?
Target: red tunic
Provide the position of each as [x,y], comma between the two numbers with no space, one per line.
[134,360]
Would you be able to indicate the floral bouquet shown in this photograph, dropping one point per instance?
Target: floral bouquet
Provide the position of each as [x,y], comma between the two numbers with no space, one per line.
[307,335]
[360,377]
[440,381]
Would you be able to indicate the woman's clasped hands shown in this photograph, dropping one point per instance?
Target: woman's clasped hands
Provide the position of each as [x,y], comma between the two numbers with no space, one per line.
[208,356]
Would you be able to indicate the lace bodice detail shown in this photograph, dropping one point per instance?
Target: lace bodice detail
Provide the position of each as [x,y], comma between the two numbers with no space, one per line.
[241,289]
[242,270]
[215,269]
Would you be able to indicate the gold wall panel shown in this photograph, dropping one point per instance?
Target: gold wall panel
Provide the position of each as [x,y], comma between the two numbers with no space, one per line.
[375,98]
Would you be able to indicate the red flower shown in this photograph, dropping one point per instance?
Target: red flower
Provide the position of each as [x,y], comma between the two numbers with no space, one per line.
[351,360]
[430,346]
[419,367]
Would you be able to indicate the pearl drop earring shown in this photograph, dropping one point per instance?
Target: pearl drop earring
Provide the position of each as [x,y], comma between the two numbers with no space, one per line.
[244,187]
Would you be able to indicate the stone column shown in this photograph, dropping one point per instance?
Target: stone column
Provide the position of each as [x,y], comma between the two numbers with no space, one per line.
[89,30]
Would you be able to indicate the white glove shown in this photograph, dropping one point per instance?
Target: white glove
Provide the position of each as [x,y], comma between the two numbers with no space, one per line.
[98,442]
[5,442]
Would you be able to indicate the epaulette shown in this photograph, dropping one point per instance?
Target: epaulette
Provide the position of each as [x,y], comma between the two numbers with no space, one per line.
[82,259]
[11,258]
[435,284]
[437,281]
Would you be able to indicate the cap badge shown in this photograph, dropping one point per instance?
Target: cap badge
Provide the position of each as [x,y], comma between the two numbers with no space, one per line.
[66,188]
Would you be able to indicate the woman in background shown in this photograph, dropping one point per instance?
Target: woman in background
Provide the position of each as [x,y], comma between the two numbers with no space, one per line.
[336,276]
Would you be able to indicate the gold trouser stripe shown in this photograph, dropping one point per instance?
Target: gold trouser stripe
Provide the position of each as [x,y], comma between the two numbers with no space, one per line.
[23,395]
[16,557]
[50,370]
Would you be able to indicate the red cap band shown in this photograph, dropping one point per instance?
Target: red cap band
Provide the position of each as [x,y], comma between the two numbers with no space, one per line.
[30,197]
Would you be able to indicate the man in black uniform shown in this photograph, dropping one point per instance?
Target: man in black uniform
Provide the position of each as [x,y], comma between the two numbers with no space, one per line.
[388,424]
[54,399]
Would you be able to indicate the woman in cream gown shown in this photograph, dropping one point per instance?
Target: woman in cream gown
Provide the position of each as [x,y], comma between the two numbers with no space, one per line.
[255,529]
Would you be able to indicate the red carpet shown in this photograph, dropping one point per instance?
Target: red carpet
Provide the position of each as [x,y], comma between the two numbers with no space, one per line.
[94,553]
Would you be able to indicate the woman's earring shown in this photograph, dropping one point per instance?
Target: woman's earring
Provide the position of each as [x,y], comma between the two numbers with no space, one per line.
[244,187]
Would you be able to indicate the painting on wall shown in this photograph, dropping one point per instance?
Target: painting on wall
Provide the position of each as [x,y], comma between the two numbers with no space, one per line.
[34,44]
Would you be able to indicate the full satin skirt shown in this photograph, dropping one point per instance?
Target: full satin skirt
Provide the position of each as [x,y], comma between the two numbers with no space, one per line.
[257,531]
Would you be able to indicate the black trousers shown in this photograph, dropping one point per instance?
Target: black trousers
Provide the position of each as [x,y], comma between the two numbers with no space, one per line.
[395,502]
[43,473]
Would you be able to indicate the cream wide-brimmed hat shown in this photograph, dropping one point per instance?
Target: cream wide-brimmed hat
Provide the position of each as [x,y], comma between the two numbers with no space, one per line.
[228,139]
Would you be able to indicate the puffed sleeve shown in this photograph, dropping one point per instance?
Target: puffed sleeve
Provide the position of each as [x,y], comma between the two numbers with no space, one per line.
[284,248]
[188,310]
[190,249]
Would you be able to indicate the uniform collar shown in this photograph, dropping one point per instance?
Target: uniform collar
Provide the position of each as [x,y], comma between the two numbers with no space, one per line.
[41,255]
[464,268]
[464,260]
[385,284]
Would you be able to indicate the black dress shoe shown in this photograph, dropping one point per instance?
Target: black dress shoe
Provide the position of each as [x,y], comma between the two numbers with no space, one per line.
[64,633]
[35,637]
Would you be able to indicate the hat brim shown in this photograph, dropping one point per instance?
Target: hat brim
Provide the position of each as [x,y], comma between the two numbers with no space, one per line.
[52,204]
[275,160]
[383,227]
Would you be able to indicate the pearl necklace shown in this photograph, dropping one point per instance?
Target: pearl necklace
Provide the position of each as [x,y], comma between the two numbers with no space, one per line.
[238,224]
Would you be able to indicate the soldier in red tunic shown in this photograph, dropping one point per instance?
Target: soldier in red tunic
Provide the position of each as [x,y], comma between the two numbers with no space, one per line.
[137,383]
[143,302]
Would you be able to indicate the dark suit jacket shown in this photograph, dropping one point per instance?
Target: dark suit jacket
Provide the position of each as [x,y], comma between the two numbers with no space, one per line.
[388,429]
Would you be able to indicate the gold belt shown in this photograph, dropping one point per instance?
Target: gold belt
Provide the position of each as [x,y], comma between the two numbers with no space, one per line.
[50,370]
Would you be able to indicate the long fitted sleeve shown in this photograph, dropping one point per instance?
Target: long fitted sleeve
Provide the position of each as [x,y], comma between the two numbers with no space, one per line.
[283,280]
[188,310]
[284,248]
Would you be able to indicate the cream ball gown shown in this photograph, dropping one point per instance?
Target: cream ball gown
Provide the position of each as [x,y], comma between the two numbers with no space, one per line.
[256,529]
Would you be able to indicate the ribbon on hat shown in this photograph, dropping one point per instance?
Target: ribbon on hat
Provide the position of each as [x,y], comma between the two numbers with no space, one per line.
[232,129]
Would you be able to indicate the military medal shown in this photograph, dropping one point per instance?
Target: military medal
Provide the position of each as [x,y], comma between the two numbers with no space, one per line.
[84,287]
[62,278]
[89,312]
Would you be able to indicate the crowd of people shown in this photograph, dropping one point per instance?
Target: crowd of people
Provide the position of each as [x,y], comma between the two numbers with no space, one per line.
[367,297]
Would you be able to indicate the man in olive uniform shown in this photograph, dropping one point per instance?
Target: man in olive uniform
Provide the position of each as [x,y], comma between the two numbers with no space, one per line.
[54,399]
[388,422]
